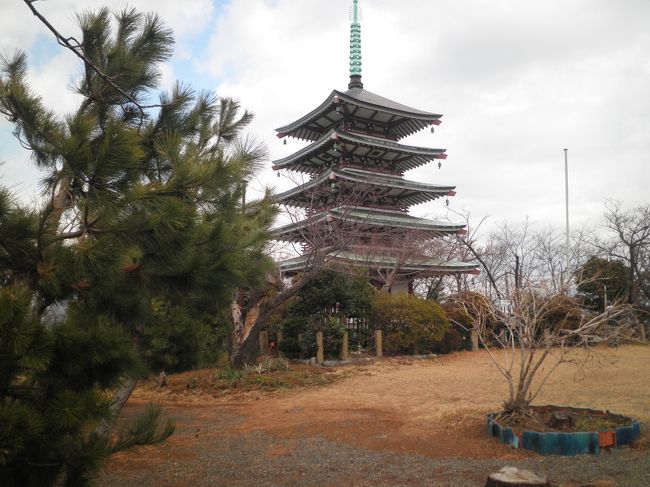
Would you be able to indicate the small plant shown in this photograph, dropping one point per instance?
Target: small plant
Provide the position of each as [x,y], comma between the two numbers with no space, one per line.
[193,383]
[269,364]
[229,373]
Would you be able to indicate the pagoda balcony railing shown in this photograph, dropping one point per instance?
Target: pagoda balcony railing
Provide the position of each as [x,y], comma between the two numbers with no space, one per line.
[356,202]
[355,129]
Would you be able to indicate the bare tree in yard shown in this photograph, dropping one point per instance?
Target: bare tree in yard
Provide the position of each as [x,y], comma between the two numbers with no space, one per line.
[631,245]
[323,243]
[432,287]
[540,332]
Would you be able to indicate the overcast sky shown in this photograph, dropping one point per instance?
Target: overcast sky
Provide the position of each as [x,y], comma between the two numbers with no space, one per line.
[516,80]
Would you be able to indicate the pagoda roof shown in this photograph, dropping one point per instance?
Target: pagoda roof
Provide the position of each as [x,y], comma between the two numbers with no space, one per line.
[399,120]
[415,265]
[366,219]
[388,186]
[321,153]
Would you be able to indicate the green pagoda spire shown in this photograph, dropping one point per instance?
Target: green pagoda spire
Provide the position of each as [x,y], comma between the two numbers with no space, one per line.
[355,46]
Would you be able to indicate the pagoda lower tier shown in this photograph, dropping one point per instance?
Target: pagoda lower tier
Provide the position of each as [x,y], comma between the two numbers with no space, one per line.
[363,188]
[342,225]
[408,267]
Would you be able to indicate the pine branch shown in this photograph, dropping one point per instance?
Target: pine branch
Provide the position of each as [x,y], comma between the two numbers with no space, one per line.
[75,46]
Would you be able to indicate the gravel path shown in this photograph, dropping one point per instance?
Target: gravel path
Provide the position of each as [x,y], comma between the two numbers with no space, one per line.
[202,454]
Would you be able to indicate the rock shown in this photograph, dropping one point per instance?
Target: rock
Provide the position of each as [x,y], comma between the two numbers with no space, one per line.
[335,363]
[514,477]
[560,421]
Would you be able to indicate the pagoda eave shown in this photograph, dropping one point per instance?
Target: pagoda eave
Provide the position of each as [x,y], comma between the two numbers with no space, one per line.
[368,107]
[413,267]
[365,186]
[359,220]
[358,149]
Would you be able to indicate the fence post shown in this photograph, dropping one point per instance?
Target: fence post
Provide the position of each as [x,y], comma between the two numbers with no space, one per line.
[344,346]
[474,341]
[319,344]
[264,343]
[378,348]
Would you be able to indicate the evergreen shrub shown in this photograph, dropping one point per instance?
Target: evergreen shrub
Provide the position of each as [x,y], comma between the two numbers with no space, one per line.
[410,324]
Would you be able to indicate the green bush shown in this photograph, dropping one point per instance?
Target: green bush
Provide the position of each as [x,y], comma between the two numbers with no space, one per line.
[306,348]
[322,305]
[410,324]
[455,339]
[292,327]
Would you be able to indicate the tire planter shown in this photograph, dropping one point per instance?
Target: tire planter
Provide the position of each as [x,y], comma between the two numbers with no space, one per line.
[567,443]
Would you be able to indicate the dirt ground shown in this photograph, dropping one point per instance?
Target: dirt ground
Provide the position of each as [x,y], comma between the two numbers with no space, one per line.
[393,422]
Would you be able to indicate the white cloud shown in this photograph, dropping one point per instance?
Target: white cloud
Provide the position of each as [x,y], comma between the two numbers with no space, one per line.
[517,80]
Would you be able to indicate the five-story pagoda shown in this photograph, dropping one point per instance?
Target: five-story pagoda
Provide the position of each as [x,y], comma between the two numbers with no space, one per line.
[355,203]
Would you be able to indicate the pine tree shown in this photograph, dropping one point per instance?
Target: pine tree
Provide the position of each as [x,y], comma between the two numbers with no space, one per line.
[131,258]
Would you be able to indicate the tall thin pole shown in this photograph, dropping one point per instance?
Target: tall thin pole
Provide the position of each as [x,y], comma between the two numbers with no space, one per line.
[566,193]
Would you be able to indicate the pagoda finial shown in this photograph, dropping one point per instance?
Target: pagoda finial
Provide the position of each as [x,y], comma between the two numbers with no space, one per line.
[355,46]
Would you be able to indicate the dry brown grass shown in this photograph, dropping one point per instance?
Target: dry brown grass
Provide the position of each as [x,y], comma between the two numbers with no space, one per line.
[431,408]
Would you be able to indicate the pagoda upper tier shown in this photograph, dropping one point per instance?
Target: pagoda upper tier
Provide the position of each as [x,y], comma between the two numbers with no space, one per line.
[363,112]
[341,148]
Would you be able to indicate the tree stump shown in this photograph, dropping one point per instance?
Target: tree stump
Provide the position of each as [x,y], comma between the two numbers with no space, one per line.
[514,477]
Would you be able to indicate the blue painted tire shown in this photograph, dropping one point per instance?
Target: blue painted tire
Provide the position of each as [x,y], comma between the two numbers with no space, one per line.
[567,444]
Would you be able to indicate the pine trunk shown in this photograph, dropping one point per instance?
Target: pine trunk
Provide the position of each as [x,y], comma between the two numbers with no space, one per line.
[119,400]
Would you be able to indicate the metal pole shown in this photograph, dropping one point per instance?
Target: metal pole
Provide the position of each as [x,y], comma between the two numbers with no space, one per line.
[566,192]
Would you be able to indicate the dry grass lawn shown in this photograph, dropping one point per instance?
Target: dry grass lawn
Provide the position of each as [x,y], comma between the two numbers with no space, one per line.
[433,408]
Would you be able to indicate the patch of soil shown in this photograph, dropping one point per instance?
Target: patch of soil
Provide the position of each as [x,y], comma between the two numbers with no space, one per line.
[201,386]
[547,419]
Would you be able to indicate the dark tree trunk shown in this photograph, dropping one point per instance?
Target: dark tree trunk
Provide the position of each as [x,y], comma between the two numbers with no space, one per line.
[119,400]
[248,350]
[517,273]
[485,268]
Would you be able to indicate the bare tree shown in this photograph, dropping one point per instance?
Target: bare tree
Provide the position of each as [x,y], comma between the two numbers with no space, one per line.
[540,328]
[631,245]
